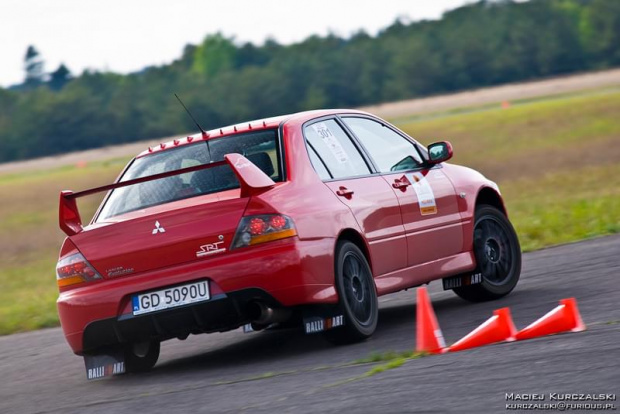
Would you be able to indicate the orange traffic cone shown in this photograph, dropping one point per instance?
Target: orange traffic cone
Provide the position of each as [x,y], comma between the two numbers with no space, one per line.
[428,335]
[497,328]
[563,318]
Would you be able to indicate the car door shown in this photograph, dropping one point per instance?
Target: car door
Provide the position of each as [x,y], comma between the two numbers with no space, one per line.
[427,197]
[346,171]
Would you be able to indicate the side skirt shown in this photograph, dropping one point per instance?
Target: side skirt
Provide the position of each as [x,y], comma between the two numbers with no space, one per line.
[424,273]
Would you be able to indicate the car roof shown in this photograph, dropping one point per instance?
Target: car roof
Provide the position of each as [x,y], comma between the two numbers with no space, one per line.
[244,127]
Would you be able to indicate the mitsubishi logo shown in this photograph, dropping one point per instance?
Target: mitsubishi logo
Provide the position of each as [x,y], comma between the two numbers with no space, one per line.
[158,228]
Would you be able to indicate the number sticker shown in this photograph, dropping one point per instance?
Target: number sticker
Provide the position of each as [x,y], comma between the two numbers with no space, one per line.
[426,197]
[331,141]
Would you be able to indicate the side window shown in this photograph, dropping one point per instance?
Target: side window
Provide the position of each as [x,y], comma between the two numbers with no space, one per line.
[389,150]
[318,165]
[334,147]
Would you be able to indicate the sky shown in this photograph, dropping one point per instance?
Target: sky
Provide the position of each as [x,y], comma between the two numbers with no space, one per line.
[127,35]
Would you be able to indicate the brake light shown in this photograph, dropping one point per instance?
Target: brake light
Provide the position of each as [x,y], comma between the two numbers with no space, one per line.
[260,229]
[277,222]
[75,269]
[257,226]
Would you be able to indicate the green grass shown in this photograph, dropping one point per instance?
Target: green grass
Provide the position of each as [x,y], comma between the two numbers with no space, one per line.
[383,357]
[390,359]
[564,207]
[28,301]
[557,161]
[30,240]
[527,133]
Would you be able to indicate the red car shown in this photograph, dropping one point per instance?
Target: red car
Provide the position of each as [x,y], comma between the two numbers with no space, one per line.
[301,219]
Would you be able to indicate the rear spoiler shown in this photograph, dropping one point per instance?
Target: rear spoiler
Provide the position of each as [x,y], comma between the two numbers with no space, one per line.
[252,180]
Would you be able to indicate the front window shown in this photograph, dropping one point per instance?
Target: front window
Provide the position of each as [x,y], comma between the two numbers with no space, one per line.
[390,151]
[259,147]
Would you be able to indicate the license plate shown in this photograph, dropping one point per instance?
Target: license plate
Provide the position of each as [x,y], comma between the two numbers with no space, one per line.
[170,297]
[463,280]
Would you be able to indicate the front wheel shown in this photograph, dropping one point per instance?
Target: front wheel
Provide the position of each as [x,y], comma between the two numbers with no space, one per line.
[498,256]
[357,296]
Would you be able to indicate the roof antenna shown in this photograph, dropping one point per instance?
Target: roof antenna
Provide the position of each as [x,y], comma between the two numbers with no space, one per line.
[204,133]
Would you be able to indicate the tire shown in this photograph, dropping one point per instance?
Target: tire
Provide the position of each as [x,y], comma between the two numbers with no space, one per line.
[357,296]
[141,357]
[498,255]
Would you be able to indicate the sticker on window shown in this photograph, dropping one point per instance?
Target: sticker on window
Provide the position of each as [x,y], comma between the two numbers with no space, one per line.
[330,140]
[426,197]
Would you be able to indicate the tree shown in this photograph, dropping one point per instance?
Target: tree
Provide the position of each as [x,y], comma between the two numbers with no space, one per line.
[483,43]
[602,37]
[59,78]
[216,54]
[34,67]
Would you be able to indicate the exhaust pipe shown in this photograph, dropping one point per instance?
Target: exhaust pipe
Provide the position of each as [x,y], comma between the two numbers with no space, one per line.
[268,315]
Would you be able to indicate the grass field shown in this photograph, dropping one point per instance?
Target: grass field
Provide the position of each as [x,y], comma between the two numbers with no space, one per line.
[557,161]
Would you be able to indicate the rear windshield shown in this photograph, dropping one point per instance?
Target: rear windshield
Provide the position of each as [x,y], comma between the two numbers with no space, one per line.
[259,147]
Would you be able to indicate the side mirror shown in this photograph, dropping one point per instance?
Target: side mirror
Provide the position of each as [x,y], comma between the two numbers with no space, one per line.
[439,152]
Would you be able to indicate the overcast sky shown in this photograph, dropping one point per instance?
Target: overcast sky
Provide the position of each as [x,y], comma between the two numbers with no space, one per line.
[127,35]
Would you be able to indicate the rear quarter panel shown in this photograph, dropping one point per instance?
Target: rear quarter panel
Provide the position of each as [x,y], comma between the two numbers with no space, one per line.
[316,212]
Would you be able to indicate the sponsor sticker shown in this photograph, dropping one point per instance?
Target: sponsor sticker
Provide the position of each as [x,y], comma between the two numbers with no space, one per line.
[426,197]
[332,143]
[318,324]
[247,328]
[459,281]
[101,366]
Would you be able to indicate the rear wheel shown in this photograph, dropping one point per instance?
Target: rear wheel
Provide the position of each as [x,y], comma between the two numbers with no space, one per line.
[141,356]
[358,296]
[498,256]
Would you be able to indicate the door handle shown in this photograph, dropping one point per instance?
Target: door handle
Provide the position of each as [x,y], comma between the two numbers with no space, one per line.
[344,192]
[401,184]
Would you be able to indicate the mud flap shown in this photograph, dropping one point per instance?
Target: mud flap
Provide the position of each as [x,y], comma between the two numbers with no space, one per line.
[462,280]
[104,365]
[322,319]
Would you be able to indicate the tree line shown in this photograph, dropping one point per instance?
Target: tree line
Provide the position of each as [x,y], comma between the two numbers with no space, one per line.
[223,82]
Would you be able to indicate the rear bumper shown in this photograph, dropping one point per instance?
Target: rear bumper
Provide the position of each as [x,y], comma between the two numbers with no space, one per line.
[221,313]
[283,273]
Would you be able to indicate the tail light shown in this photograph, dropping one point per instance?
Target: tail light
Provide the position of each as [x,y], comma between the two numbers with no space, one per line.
[75,269]
[260,229]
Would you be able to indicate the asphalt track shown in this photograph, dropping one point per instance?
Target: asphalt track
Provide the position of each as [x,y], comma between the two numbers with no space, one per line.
[287,371]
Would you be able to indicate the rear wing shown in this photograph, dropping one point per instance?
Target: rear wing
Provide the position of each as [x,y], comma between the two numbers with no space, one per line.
[252,180]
